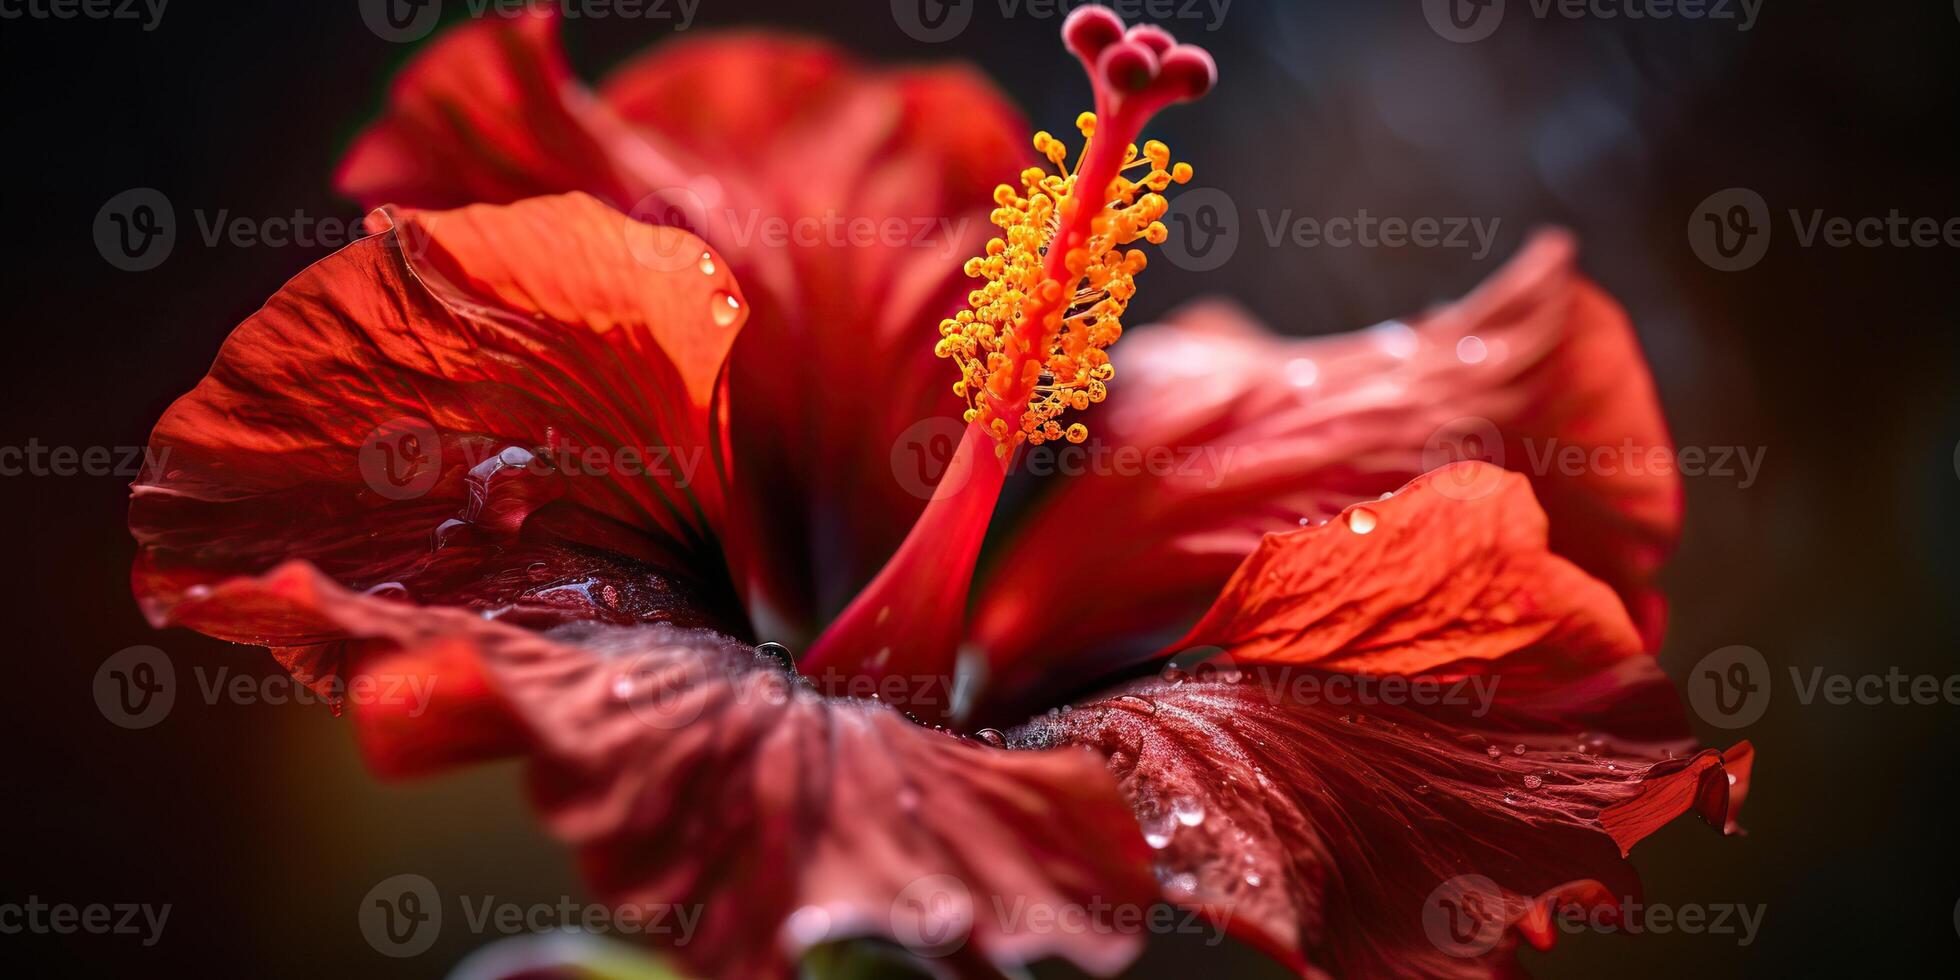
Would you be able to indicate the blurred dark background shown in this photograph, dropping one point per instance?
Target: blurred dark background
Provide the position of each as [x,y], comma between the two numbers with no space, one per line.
[258,823]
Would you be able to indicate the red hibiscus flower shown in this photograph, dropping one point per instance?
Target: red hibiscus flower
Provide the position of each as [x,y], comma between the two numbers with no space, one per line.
[571,467]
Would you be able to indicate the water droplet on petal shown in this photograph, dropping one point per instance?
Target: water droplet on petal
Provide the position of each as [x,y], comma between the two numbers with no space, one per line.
[1471,350]
[1302,372]
[1252,879]
[1517,749]
[707,263]
[808,925]
[725,308]
[1395,338]
[1144,705]
[1188,811]
[1533,782]
[1493,751]
[1157,830]
[1361,520]
[779,653]
[622,687]
[991,736]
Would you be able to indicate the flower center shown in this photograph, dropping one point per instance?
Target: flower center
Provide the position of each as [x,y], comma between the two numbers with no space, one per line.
[1058,279]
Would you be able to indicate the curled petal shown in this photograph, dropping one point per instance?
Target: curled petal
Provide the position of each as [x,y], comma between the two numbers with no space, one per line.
[1415,699]
[1246,433]
[1328,835]
[442,413]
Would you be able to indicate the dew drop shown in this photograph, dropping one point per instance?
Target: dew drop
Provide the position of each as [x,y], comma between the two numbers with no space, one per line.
[1252,879]
[991,736]
[1361,520]
[1731,779]
[1471,350]
[1493,752]
[1157,830]
[622,687]
[1533,782]
[808,925]
[1141,704]
[779,653]
[725,308]
[1188,811]
[1302,372]
[707,263]
[1517,749]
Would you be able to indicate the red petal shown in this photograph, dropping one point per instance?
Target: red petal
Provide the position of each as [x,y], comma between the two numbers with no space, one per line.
[749,139]
[484,334]
[1414,692]
[690,771]
[834,383]
[490,113]
[1324,833]
[1434,581]
[1264,432]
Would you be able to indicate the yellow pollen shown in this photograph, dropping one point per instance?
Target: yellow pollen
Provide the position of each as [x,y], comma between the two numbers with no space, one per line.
[1032,345]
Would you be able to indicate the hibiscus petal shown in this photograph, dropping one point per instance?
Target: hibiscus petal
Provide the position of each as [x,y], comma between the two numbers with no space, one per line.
[883,181]
[1257,433]
[1303,785]
[490,113]
[795,161]
[1323,833]
[420,415]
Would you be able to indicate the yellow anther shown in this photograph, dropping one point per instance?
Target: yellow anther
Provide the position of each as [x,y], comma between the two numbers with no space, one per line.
[1031,346]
